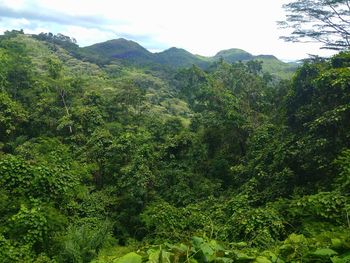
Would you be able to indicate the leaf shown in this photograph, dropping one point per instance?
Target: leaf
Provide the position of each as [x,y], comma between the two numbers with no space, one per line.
[241,244]
[129,258]
[261,259]
[287,248]
[272,256]
[294,238]
[324,252]
[336,243]
[345,258]
[197,241]
[215,246]
[165,256]
[241,257]
[207,251]
[153,256]
[223,260]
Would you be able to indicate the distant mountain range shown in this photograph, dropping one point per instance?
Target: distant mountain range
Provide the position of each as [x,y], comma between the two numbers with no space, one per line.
[133,53]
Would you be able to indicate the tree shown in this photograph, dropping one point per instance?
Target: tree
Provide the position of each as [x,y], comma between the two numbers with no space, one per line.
[16,73]
[324,21]
[254,66]
[55,69]
[12,115]
[318,113]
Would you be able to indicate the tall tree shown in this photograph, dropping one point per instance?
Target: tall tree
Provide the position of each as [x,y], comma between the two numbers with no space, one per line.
[324,21]
[55,69]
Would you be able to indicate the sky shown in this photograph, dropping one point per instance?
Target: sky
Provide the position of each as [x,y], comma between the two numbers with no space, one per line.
[202,27]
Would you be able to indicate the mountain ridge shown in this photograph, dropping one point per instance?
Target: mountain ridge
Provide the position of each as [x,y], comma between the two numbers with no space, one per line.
[222,52]
[132,52]
[128,52]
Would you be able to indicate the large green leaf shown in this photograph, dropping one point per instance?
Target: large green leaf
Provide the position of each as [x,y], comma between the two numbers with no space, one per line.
[324,252]
[129,258]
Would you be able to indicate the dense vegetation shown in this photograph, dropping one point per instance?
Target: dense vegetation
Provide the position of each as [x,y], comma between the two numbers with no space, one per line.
[110,162]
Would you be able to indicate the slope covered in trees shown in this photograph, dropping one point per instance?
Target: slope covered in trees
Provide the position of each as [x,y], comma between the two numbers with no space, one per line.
[130,53]
[120,163]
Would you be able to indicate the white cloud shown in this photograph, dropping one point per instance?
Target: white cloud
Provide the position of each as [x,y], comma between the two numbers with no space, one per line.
[88,35]
[14,4]
[202,27]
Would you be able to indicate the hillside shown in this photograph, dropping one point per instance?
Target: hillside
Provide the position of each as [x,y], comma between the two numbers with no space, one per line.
[177,57]
[233,55]
[117,162]
[119,49]
[277,67]
[270,64]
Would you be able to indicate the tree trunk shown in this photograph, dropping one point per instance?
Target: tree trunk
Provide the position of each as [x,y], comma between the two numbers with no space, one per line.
[66,108]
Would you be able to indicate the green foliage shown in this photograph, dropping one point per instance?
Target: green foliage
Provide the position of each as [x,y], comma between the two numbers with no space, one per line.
[316,249]
[19,177]
[166,222]
[4,61]
[129,258]
[322,206]
[11,252]
[343,162]
[295,248]
[12,116]
[323,129]
[266,173]
[36,225]
[260,226]
[341,60]
[54,68]
[256,169]
[82,243]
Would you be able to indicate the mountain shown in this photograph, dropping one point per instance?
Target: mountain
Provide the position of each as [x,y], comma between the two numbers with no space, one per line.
[178,57]
[233,55]
[275,66]
[271,64]
[130,52]
[119,49]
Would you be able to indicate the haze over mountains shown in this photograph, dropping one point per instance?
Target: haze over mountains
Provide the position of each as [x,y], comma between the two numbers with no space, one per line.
[131,52]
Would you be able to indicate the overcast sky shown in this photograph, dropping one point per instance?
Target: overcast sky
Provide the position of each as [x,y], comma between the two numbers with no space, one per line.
[200,26]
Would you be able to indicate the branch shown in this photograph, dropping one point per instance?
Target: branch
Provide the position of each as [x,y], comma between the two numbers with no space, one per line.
[339,16]
[62,93]
[347,41]
[321,21]
[337,28]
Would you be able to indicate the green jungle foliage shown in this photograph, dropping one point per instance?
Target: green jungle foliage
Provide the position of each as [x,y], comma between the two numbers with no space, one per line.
[106,162]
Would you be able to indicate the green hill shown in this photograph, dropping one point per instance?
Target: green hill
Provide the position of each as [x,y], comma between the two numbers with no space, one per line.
[277,67]
[271,64]
[119,49]
[233,55]
[178,57]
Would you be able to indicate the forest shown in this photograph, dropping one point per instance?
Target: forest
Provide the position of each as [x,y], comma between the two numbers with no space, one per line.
[111,160]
